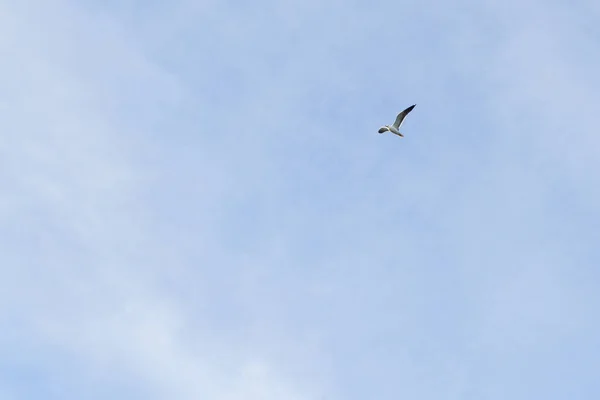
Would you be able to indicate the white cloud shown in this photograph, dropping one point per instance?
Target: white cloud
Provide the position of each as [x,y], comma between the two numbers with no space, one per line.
[83,271]
[192,202]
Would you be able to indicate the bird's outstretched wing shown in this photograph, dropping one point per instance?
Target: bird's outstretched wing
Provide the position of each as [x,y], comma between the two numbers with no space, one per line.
[402,115]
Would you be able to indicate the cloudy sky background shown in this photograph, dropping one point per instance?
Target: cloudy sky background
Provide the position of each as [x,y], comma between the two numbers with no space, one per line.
[195,202]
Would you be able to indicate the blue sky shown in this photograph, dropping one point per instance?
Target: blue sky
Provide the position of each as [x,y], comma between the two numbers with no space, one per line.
[196,204]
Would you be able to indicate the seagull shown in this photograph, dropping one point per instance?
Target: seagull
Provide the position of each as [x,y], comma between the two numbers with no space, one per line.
[396,126]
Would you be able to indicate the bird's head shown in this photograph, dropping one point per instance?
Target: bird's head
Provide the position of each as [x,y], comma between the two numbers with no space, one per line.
[382,129]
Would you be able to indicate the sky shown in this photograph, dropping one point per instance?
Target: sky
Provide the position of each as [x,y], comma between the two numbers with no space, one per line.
[195,202]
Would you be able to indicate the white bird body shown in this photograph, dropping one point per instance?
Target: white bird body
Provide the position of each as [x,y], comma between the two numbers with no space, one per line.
[395,127]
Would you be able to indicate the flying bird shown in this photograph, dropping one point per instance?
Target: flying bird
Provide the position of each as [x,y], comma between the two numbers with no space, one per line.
[395,128]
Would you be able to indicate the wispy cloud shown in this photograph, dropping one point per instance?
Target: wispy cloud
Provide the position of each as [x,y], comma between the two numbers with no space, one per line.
[195,201]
